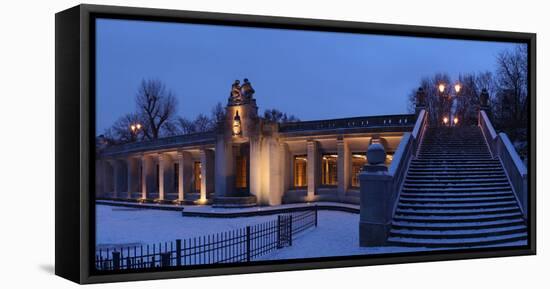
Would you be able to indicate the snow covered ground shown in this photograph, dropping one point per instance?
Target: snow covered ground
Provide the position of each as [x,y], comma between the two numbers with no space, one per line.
[336,235]
[116,226]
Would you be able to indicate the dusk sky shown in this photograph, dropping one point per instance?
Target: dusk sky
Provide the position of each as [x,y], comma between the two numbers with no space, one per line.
[313,75]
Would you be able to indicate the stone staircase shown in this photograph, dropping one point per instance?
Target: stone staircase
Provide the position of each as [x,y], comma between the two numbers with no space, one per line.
[456,195]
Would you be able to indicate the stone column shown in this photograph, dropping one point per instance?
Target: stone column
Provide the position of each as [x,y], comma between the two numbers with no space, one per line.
[343,167]
[145,175]
[312,163]
[255,167]
[116,178]
[185,174]
[107,178]
[162,164]
[132,176]
[285,165]
[207,173]
[224,167]
[99,179]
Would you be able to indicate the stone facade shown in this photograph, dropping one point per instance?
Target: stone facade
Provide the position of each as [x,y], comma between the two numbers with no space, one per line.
[249,160]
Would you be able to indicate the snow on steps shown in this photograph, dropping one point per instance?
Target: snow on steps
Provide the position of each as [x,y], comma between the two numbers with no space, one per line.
[456,195]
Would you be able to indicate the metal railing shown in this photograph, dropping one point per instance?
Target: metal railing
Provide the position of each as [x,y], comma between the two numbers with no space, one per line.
[240,245]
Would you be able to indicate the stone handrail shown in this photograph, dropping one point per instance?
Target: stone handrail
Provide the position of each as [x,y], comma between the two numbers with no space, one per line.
[380,187]
[502,148]
[353,122]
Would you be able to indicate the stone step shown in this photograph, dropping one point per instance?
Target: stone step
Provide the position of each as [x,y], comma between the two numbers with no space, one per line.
[438,166]
[458,218]
[458,226]
[454,200]
[455,170]
[424,181]
[501,188]
[444,155]
[429,141]
[456,211]
[455,185]
[459,205]
[454,193]
[451,147]
[452,159]
[454,176]
[458,242]
[458,233]
[454,162]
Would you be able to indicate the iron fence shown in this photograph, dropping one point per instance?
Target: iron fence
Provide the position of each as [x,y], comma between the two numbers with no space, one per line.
[240,245]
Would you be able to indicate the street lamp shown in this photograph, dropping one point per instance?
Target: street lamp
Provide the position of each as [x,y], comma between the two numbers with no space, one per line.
[458,87]
[441,87]
[448,101]
[135,128]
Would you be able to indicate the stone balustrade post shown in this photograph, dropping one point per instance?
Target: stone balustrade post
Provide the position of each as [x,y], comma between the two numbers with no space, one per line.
[375,186]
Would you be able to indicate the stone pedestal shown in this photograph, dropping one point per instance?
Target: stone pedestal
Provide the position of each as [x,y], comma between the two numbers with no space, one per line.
[376,184]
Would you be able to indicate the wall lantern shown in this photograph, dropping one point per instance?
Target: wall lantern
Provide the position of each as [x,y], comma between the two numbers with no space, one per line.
[237,131]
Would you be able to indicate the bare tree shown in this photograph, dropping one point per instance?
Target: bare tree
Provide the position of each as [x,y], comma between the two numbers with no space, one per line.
[157,105]
[512,94]
[185,126]
[275,115]
[203,123]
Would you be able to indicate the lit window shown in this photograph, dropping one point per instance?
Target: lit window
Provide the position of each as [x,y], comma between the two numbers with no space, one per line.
[329,172]
[300,171]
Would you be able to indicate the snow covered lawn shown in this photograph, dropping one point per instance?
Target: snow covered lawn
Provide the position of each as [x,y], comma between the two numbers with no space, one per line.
[336,235]
[123,225]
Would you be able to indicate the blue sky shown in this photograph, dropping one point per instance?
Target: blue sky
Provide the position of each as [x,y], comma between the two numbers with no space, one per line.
[313,75]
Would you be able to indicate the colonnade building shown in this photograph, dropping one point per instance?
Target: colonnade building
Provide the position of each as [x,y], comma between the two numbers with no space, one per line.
[248,160]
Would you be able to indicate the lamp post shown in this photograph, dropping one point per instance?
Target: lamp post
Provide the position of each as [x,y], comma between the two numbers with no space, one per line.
[134,129]
[448,100]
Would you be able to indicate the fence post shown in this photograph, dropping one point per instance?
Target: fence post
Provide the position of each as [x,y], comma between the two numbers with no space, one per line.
[116,260]
[316,212]
[178,252]
[165,259]
[279,231]
[248,243]
[290,232]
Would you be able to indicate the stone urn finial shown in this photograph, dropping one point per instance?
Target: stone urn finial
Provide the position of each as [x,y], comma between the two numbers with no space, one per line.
[484,98]
[420,97]
[376,154]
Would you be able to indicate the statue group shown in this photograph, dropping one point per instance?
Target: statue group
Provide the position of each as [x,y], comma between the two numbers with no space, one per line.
[241,93]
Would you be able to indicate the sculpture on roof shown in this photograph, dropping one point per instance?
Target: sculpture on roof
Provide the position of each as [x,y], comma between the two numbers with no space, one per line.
[241,94]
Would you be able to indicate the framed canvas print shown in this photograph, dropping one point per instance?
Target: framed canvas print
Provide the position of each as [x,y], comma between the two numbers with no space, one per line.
[193,144]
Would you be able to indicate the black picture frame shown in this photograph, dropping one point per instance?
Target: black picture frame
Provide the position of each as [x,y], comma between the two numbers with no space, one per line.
[75,139]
